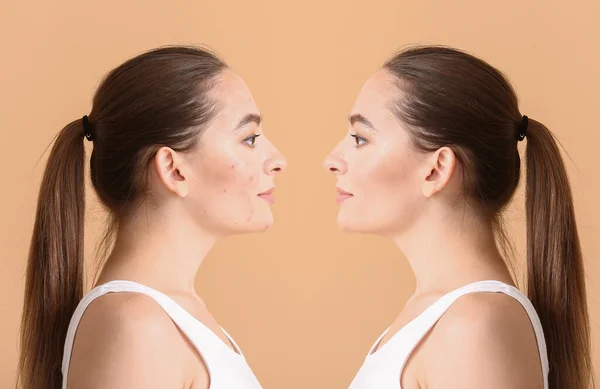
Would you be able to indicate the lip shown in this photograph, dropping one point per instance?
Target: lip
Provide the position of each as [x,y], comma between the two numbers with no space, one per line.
[268,196]
[267,192]
[342,195]
[343,192]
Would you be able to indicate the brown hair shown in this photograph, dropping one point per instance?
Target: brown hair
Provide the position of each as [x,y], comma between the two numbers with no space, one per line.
[451,98]
[158,98]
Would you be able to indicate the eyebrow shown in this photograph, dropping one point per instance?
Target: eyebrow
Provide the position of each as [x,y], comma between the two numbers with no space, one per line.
[358,118]
[249,118]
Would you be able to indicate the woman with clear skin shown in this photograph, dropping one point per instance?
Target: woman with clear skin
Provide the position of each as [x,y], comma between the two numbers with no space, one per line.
[179,161]
[431,161]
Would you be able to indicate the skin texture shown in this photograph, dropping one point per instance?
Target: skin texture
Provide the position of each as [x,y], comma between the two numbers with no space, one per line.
[125,340]
[414,197]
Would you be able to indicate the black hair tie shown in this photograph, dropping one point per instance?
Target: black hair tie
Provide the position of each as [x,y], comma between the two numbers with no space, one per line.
[87,131]
[523,128]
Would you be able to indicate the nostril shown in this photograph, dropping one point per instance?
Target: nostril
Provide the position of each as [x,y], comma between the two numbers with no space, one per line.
[333,169]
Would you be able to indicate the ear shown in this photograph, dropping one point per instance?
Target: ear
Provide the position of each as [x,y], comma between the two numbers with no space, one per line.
[441,165]
[171,172]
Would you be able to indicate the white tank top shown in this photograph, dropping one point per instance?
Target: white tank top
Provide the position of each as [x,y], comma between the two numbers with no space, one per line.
[383,368]
[227,369]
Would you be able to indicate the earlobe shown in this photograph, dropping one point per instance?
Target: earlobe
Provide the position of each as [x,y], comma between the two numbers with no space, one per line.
[170,170]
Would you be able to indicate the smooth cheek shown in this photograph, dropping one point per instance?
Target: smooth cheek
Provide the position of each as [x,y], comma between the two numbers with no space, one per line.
[400,191]
[383,175]
[387,189]
[393,174]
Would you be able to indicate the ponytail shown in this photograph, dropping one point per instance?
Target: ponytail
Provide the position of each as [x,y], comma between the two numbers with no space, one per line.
[54,276]
[160,97]
[555,274]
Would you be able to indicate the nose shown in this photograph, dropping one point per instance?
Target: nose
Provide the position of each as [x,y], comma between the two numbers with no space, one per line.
[335,164]
[275,164]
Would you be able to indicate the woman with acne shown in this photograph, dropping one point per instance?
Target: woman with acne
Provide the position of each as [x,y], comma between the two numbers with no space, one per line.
[179,161]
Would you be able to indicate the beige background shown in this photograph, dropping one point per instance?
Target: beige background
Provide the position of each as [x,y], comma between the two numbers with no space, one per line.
[305,301]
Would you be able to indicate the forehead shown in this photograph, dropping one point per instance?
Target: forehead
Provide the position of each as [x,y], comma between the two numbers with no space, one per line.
[376,95]
[233,95]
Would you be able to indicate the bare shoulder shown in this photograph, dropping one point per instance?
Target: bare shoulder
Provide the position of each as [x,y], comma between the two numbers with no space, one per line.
[126,340]
[130,313]
[484,340]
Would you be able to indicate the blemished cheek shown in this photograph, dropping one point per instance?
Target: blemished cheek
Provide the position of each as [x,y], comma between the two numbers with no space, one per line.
[234,180]
[242,190]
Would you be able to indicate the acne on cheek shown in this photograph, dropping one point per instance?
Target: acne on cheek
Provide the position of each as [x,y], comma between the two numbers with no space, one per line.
[246,193]
[250,215]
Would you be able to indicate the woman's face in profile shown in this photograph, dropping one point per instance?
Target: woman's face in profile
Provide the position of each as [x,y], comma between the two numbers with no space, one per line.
[234,164]
[377,164]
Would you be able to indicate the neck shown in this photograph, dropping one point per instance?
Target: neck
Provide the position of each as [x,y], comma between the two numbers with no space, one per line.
[160,251]
[449,248]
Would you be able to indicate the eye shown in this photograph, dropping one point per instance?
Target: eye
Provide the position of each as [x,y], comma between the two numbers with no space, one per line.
[358,139]
[251,140]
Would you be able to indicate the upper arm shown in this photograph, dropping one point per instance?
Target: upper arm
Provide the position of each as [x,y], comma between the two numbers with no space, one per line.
[126,341]
[484,341]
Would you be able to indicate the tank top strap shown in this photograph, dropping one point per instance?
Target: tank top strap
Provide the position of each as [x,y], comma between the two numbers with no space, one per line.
[415,330]
[211,348]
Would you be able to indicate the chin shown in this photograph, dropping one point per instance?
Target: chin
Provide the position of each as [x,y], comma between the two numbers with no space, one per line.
[258,223]
[353,228]
[264,221]
[347,225]
[263,225]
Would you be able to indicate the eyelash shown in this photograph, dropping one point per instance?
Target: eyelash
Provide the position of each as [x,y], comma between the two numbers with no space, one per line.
[253,138]
[358,139]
